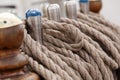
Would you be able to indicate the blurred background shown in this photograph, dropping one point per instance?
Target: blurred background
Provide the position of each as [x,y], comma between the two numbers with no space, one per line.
[110,9]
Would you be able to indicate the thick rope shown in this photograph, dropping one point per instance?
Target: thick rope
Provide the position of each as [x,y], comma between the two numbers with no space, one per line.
[51,54]
[44,59]
[113,27]
[104,71]
[105,31]
[106,23]
[75,49]
[40,69]
[96,34]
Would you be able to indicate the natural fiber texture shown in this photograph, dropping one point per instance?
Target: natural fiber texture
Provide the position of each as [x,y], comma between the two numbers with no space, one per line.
[84,49]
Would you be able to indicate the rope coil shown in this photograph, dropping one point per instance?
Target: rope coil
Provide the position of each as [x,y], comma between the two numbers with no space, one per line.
[83,49]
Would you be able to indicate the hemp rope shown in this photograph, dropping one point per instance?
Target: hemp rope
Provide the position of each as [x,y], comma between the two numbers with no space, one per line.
[75,49]
[105,22]
[88,30]
[74,35]
[97,21]
[52,55]
[94,14]
[40,69]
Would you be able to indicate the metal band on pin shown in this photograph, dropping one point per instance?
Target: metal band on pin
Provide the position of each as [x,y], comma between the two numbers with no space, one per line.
[84,6]
[71,9]
[54,12]
[34,21]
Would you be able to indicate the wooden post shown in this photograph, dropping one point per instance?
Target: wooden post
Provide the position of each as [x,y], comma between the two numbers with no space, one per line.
[95,5]
[11,61]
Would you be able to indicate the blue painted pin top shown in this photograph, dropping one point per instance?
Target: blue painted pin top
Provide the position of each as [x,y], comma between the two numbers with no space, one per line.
[83,1]
[33,12]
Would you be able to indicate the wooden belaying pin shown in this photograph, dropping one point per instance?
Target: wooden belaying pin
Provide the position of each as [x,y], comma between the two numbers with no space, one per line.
[35,25]
[12,62]
[95,5]
[84,6]
[54,12]
[71,9]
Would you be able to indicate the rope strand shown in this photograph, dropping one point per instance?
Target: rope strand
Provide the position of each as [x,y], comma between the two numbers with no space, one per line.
[83,49]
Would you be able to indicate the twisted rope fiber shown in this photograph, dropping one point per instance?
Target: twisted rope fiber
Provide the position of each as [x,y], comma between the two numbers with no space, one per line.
[91,61]
[48,25]
[74,65]
[77,61]
[74,38]
[106,24]
[114,29]
[66,53]
[90,31]
[94,14]
[108,33]
[85,72]
[71,55]
[105,31]
[76,71]
[44,59]
[97,35]
[102,70]
[70,62]
[73,51]
[47,74]
[57,34]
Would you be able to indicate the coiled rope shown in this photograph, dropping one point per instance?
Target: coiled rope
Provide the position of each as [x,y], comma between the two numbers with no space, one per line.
[83,49]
